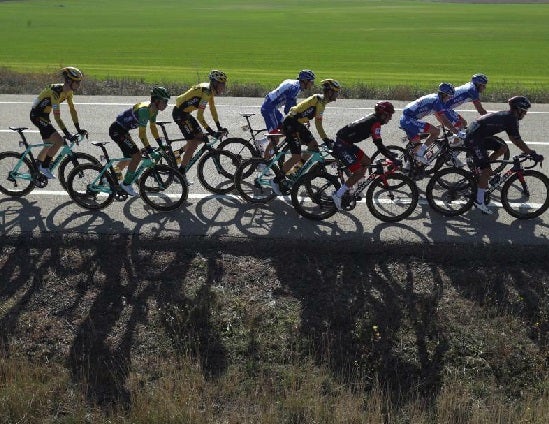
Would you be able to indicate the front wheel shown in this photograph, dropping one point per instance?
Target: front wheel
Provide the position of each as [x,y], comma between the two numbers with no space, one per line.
[90,187]
[252,180]
[70,162]
[239,147]
[393,198]
[163,188]
[216,171]
[525,195]
[451,191]
[312,195]
[16,175]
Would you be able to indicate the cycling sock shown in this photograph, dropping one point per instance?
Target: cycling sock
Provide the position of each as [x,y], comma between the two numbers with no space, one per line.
[480,195]
[342,190]
[128,179]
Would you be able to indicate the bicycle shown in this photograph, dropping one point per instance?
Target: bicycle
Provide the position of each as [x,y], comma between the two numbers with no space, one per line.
[253,176]
[95,187]
[22,171]
[524,192]
[391,196]
[216,167]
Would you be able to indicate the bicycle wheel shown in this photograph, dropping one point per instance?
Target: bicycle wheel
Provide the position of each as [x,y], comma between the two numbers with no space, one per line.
[397,150]
[312,195]
[392,199]
[242,149]
[163,188]
[253,183]
[17,183]
[89,188]
[526,195]
[451,191]
[216,171]
[456,157]
[71,161]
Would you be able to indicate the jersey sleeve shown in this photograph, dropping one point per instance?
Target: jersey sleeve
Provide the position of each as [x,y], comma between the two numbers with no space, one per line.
[72,109]
[56,109]
[318,119]
[142,121]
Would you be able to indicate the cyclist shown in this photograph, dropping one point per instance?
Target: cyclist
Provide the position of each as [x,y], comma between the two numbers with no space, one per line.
[478,141]
[197,98]
[469,92]
[50,99]
[284,95]
[138,116]
[346,150]
[414,111]
[293,127]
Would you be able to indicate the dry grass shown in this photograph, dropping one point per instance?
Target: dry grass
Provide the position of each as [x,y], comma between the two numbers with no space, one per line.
[123,329]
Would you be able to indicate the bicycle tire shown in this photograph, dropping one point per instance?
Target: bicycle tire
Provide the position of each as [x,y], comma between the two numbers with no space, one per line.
[537,195]
[251,182]
[398,150]
[79,183]
[311,195]
[163,188]
[457,157]
[402,197]
[451,191]
[69,161]
[216,171]
[242,149]
[17,187]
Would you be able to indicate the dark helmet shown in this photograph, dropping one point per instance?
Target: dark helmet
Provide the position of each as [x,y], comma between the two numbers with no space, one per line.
[446,88]
[160,93]
[479,79]
[519,102]
[72,73]
[306,75]
[330,84]
[384,107]
[218,76]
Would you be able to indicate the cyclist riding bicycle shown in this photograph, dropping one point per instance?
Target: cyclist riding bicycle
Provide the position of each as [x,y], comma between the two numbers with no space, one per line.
[197,98]
[469,92]
[414,111]
[284,95]
[346,150]
[49,100]
[138,116]
[293,127]
[478,140]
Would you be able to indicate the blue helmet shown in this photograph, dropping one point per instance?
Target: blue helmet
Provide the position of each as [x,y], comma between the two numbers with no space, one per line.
[479,79]
[306,74]
[446,88]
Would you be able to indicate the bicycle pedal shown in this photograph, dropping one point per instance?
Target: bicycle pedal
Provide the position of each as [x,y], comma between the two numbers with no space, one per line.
[120,195]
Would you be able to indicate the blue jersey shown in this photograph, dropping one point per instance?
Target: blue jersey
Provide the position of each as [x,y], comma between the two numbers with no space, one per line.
[284,95]
[464,93]
[423,106]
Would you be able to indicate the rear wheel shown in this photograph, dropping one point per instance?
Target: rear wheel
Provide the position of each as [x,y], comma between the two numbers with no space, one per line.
[451,191]
[163,188]
[71,161]
[16,182]
[392,199]
[526,195]
[312,195]
[252,180]
[216,171]
[89,189]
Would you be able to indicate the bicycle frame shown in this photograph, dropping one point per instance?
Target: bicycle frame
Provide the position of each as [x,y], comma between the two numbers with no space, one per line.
[376,171]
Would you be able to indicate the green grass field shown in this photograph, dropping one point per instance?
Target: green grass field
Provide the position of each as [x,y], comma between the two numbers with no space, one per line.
[375,42]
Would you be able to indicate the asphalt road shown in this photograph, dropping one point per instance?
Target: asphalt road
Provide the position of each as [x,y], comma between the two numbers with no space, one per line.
[51,210]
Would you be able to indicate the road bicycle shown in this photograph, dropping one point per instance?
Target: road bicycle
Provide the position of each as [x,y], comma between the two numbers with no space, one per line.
[390,195]
[253,176]
[524,192]
[95,187]
[19,173]
[216,166]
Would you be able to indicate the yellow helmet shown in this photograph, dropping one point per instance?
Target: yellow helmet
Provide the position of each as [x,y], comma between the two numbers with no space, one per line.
[330,84]
[218,76]
[72,73]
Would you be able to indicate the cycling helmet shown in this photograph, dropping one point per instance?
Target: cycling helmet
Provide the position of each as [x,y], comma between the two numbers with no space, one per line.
[479,79]
[306,75]
[446,88]
[218,76]
[160,93]
[330,84]
[72,73]
[519,102]
[384,107]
